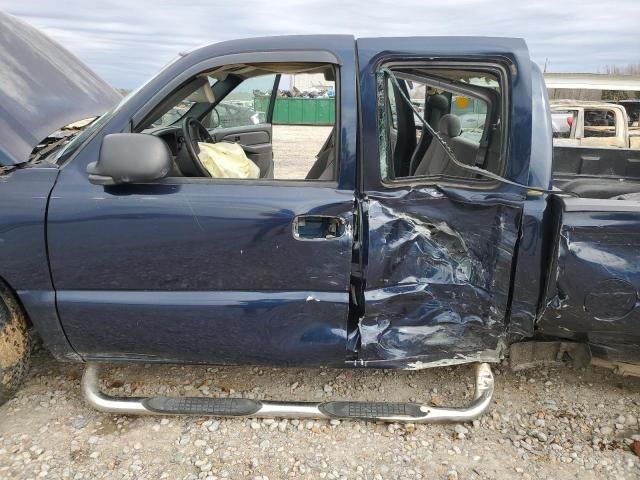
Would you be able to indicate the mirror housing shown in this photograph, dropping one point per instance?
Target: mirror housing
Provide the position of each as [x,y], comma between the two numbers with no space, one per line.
[130,158]
[215,118]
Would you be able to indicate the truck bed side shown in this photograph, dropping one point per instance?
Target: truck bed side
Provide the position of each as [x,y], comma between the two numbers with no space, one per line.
[596,172]
[594,277]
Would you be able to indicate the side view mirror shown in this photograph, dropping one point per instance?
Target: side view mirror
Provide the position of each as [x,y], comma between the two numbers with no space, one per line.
[130,158]
[215,118]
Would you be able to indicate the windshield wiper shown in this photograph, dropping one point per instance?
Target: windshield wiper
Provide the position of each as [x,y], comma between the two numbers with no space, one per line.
[50,147]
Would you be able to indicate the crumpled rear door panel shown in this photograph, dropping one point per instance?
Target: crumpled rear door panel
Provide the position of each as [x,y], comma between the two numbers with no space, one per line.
[592,291]
[439,272]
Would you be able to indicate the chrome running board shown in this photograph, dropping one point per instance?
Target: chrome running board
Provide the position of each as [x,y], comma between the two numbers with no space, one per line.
[244,407]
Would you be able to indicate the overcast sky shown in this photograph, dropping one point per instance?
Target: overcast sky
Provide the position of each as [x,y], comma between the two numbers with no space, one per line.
[127,41]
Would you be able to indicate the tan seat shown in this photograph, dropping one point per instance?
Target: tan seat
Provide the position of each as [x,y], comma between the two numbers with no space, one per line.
[437,162]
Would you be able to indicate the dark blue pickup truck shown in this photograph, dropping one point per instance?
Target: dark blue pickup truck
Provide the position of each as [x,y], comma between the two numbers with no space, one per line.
[417,238]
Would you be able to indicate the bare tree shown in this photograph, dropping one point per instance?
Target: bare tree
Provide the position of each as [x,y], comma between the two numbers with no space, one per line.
[629,69]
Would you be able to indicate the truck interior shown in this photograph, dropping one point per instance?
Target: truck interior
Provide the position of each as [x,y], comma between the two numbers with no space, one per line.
[235,104]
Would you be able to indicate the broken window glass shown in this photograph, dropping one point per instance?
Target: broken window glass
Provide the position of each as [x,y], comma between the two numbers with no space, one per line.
[462,108]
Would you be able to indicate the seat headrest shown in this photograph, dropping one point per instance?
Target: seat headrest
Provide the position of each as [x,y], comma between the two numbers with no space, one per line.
[450,125]
[438,101]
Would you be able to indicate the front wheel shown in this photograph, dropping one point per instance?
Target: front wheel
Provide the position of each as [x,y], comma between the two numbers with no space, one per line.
[15,345]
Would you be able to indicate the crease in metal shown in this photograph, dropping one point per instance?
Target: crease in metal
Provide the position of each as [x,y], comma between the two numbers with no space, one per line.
[440,277]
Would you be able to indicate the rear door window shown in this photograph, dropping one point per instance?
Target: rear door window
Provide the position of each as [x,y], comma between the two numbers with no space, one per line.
[465,107]
[599,123]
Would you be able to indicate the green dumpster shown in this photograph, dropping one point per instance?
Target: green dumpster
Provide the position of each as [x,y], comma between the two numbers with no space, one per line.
[299,111]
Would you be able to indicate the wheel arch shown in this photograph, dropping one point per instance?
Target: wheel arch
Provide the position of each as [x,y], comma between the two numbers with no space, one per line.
[39,310]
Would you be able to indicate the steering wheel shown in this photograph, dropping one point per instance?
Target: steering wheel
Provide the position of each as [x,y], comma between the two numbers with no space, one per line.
[194,132]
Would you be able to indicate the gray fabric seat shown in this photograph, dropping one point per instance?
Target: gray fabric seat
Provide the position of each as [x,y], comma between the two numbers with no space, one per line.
[436,161]
[437,105]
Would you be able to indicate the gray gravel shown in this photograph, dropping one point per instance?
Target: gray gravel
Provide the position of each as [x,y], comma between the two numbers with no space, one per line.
[295,148]
[552,423]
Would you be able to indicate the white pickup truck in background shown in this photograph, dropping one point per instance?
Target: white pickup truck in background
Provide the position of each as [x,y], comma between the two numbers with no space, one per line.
[593,124]
[595,142]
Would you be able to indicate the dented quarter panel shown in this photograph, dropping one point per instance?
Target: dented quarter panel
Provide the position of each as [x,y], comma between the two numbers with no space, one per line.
[593,287]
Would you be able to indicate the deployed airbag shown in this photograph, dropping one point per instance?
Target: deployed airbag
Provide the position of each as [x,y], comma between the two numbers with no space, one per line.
[226,160]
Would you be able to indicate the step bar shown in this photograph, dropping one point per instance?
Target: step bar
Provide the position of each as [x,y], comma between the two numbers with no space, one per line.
[244,407]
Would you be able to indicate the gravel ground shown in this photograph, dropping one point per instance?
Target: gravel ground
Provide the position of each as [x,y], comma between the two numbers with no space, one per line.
[551,423]
[295,148]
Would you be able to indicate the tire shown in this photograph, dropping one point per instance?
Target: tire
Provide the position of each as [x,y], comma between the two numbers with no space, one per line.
[15,345]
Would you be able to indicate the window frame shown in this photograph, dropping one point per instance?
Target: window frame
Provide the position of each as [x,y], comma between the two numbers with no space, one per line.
[472,92]
[268,114]
[607,112]
[493,67]
[187,76]
[573,130]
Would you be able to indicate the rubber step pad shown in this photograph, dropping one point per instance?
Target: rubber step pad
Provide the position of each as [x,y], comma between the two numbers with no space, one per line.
[370,409]
[224,407]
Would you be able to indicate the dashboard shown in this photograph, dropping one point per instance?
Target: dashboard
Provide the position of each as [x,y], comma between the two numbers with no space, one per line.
[173,137]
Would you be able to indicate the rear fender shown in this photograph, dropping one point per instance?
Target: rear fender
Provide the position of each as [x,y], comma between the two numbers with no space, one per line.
[594,277]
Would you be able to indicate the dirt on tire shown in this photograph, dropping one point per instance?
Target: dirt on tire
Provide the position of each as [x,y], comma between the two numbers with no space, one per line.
[15,345]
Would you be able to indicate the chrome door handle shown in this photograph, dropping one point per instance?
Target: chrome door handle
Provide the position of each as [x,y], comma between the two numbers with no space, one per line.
[318,227]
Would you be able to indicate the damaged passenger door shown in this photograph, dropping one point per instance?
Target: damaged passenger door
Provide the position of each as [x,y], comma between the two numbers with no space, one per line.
[441,237]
